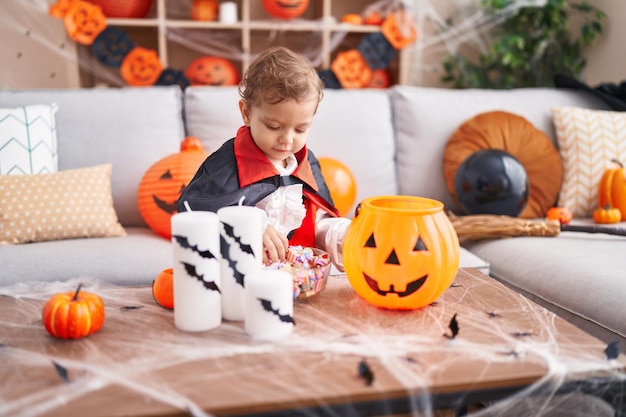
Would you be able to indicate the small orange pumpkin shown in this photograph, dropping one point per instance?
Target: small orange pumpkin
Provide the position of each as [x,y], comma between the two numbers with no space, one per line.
[141,67]
[612,188]
[163,288]
[163,183]
[607,215]
[73,315]
[351,69]
[373,18]
[352,18]
[562,214]
[380,79]
[84,21]
[401,252]
[399,29]
[286,9]
[204,10]
[213,71]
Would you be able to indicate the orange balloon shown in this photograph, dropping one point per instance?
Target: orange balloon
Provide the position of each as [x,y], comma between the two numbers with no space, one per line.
[340,182]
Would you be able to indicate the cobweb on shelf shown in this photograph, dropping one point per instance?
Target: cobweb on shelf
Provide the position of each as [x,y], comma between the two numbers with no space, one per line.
[341,347]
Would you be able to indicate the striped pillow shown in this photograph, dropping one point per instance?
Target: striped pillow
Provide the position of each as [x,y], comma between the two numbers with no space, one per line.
[588,140]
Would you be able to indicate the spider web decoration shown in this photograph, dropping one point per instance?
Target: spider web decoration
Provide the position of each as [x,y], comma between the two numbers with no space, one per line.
[343,347]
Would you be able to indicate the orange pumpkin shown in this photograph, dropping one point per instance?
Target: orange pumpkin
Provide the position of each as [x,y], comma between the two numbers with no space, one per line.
[163,183]
[204,10]
[141,67]
[340,182]
[60,8]
[562,214]
[380,79]
[286,9]
[73,315]
[163,288]
[399,29]
[352,18]
[351,69]
[213,71]
[607,215]
[84,21]
[612,188]
[373,18]
[401,252]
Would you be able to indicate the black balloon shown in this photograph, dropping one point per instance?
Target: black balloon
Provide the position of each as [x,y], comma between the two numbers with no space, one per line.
[492,181]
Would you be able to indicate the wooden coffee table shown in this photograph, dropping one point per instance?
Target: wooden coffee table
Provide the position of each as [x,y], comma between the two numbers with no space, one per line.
[139,364]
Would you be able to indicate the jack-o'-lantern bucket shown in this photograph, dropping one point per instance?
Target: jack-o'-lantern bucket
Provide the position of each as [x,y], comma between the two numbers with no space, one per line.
[401,252]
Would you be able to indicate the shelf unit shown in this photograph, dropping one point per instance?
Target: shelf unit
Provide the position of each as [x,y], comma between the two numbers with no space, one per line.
[323,19]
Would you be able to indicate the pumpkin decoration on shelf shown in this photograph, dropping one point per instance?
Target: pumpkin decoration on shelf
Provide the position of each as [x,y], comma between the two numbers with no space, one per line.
[401,252]
[351,69]
[212,71]
[141,67]
[285,9]
[607,215]
[163,183]
[163,288]
[612,188]
[562,214]
[73,315]
[84,21]
[135,9]
[206,10]
[399,29]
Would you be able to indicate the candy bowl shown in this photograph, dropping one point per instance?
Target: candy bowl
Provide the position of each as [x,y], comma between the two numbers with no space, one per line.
[309,267]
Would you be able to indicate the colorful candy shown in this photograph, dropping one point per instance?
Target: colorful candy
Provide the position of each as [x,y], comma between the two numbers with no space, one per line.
[308,269]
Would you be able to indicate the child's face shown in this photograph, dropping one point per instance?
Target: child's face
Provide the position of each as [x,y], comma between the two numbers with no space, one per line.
[281,129]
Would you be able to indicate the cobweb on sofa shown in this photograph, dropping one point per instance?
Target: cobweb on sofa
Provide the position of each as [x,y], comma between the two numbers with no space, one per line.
[140,356]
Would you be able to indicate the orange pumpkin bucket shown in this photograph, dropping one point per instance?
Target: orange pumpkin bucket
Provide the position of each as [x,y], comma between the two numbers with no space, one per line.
[401,252]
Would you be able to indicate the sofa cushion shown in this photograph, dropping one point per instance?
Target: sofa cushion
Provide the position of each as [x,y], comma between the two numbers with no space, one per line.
[588,141]
[515,135]
[134,259]
[28,139]
[576,275]
[130,128]
[354,127]
[68,204]
[425,118]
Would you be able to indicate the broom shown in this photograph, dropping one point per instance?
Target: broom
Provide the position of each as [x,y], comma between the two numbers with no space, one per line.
[490,226]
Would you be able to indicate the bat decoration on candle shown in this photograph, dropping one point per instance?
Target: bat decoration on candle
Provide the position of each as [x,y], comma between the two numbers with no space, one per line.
[238,275]
[612,350]
[191,270]
[454,328]
[184,243]
[267,306]
[365,372]
[230,232]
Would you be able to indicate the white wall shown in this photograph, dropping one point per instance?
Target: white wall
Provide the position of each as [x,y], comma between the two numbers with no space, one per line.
[606,61]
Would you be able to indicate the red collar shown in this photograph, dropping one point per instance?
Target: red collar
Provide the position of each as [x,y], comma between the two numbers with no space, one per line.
[253,165]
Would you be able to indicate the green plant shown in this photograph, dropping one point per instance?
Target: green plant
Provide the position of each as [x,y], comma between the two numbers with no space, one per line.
[529,47]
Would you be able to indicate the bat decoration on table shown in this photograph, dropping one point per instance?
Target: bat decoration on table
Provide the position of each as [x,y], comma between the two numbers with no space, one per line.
[612,350]
[238,275]
[184,243]
[126,308]
[454,328]
[62,371]
[521,334]
[230,232]
[365,372]
[267,306]
[191,270]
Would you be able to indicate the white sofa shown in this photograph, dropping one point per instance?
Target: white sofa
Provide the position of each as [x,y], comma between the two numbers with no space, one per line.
[392,140]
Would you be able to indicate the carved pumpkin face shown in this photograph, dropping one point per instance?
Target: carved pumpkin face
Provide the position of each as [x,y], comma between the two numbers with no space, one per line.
[163,183]
[286,9]
[141,67]
[84,21]
[401,252]
[351,69]
[213,71]
[111,46]
[399,29]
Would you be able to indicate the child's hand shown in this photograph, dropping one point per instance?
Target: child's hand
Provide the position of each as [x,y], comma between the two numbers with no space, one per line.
[275,245]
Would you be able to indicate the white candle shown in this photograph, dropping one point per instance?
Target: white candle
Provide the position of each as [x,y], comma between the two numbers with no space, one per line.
[242,253]
[269,304]
[196,256]
[228,12]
